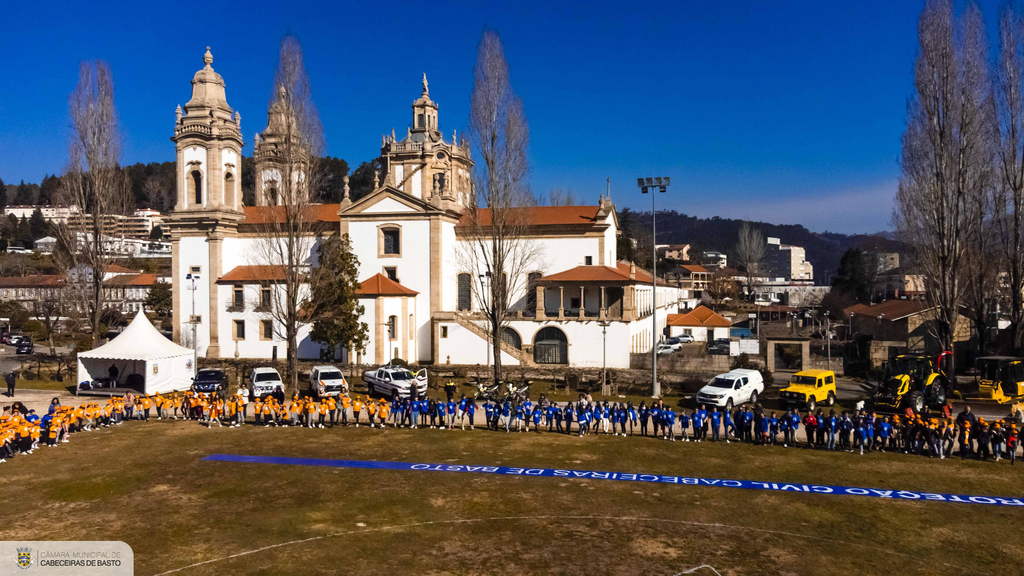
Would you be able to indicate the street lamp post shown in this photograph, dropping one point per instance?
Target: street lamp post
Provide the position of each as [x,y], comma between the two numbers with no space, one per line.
[604,355]
[828,339]
[645,184]
[192,321]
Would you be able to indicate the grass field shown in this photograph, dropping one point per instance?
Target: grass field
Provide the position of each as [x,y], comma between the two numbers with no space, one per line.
[146,484]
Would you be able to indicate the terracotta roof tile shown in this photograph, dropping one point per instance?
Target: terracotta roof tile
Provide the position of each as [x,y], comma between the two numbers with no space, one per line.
[271,214]
[695,269]
[133,280]
[892,309]
[588,274]
[381,285]
[259,273]
[34,281]
[118,269]
[699,316]
[542,215]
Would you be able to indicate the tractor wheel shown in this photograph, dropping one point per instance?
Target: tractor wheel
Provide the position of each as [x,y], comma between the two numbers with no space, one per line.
[915,400]
[831,400]
[939,394]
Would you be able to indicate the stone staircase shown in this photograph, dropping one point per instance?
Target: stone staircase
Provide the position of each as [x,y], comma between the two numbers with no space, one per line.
[473,327]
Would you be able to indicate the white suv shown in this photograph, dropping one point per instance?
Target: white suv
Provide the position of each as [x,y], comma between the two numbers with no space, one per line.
[732,388]
[264,381]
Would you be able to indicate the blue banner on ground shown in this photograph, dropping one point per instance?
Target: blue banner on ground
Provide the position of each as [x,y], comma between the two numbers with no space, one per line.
[626,477]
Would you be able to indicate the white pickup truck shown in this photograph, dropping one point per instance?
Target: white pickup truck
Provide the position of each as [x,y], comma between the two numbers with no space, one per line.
[386,379]
[327,381]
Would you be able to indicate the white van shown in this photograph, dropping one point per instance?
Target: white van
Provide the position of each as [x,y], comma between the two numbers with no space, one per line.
[732,388]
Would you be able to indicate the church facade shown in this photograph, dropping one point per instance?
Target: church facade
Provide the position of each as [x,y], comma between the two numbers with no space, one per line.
[577,304]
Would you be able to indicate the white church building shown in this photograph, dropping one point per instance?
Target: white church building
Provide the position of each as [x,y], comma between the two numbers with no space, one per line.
[579,306]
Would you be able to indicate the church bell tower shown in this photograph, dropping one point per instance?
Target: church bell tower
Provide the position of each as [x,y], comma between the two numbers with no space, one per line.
[208,142]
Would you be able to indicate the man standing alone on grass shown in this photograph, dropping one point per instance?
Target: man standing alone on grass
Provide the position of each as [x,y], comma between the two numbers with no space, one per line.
[10,379]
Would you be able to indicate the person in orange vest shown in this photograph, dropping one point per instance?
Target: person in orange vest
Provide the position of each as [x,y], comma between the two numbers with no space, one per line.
[330,405]
[382,412]
[371,411]
[357,407]
[310,414]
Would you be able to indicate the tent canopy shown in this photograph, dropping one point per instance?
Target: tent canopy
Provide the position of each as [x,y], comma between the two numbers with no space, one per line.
[143,351]
[139,341]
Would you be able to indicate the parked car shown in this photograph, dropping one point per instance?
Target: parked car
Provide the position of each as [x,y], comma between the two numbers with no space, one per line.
[327,381]
[665,349]
[210,381]
[265,381]
[387,379]
[675,343]
[808,388]
[24,346]
[719,347]
[13,339]
[685,338]
[734,387]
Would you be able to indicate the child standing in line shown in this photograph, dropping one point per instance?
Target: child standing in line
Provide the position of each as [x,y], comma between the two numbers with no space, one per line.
[670,423]
[439,407]
[471,413]
[684,424]
[568,414]
[382,413]
[536,419]
[357,407]
[371,412]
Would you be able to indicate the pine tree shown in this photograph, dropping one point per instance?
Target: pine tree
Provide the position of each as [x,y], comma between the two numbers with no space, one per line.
[3,193]
[38,226]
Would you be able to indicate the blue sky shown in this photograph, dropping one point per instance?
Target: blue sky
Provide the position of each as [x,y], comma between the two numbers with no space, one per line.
[789,112]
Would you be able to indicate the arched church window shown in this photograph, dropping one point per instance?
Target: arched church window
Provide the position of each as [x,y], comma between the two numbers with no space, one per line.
[197,187]
[229,189]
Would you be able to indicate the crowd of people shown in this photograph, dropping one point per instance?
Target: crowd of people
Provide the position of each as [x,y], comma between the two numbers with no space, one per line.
[968,436]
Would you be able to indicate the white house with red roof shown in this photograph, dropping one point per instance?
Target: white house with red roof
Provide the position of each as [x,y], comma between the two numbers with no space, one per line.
[572,300]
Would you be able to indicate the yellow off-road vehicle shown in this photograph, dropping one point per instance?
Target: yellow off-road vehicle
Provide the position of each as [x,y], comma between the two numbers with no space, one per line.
[808,388]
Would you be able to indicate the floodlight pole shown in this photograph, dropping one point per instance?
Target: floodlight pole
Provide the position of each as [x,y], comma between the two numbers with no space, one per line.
[661,183]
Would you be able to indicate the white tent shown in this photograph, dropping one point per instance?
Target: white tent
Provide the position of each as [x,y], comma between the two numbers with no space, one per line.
[141,349]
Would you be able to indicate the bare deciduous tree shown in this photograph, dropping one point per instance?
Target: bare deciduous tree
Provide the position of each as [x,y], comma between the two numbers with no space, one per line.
[561,197]
[498,252]
[751,250]
[1008,206]
[946,157]
[289,231]
[95,186]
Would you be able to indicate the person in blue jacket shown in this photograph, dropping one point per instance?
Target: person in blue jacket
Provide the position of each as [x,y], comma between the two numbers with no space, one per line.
[763,429]
[684,426]
[632,417]
[488,412]
[697,424]
[622,417]
[567,415]
[794,425]
[884,430]
[670,423]
[784,426]
[656,419]
[583,420]
[471,413]
[831,428]
[536,419]
[730,426]
[716,421]
[748,425]
[703,431]
[773,429]
[645,414]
